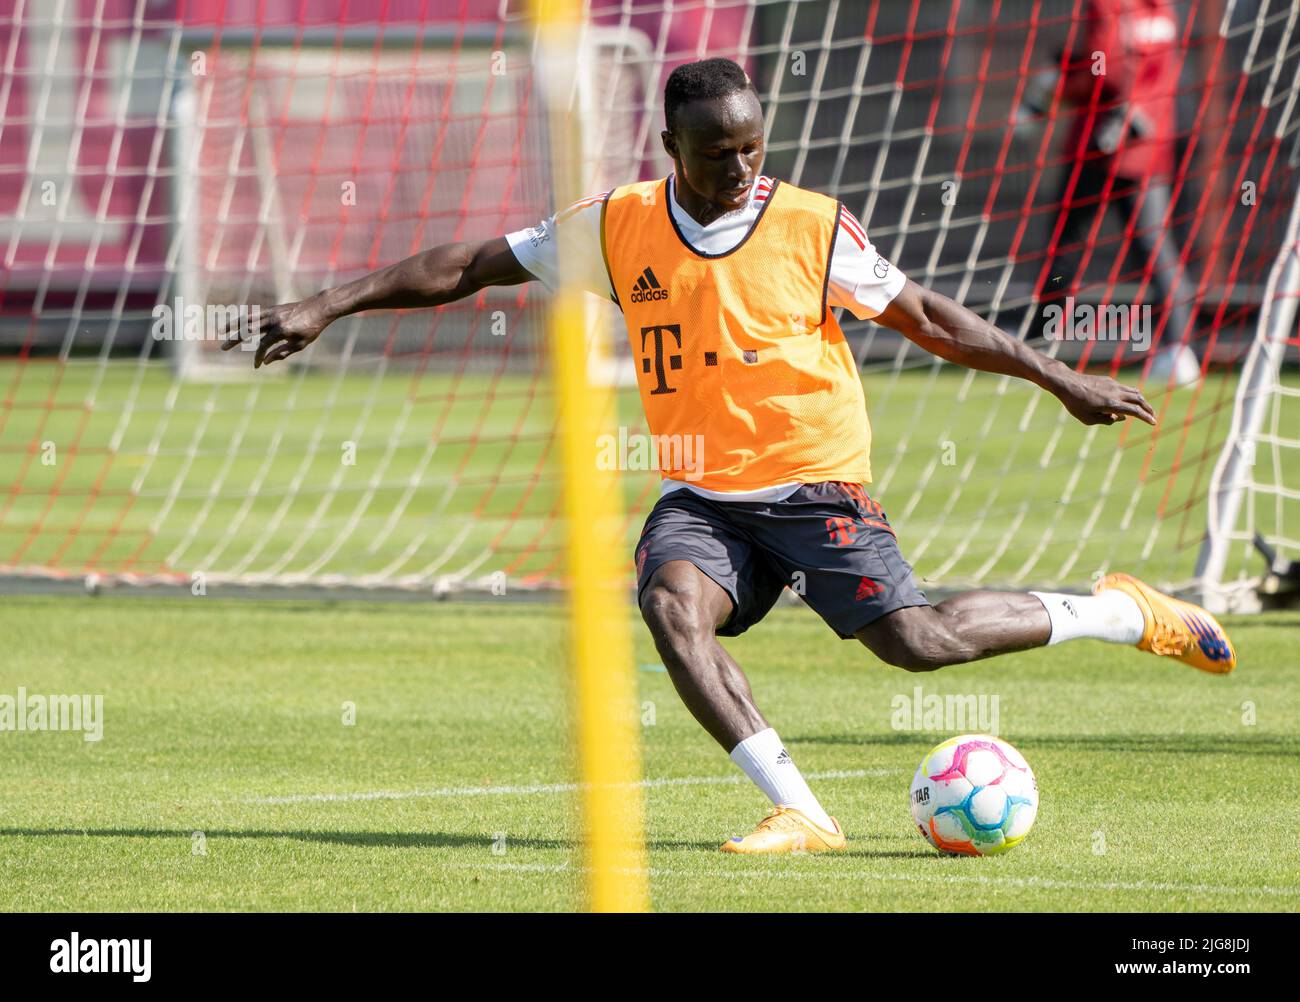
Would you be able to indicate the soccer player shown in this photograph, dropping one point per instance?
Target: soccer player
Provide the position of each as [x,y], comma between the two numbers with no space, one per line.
[727,279]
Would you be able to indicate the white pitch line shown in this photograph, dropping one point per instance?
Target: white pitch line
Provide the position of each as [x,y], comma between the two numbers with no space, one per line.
[539,788]
[823,874]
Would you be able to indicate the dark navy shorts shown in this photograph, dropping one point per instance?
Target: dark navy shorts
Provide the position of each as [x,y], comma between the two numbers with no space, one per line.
[829,542]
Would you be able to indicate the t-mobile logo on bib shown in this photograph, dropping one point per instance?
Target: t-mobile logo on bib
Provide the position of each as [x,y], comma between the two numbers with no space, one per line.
[674,362]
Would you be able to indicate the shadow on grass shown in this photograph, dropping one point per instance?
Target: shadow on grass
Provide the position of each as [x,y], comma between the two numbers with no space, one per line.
[413,840]
[388,840]
[1150,744]
[385,840]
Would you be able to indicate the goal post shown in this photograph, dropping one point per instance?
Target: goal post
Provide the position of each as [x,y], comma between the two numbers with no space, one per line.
[228,160]
[1260,438]
[283,186]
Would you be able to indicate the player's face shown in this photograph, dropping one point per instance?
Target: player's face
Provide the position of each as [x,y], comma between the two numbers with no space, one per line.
[718,151]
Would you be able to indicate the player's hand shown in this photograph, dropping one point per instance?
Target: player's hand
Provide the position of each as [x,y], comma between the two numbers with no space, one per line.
[1101,400]
[282,330]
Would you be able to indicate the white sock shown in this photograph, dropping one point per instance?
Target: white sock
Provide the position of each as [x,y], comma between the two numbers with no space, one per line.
[769,765]
[1112,616]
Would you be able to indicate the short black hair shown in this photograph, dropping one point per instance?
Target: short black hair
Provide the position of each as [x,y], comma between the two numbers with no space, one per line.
[709,78]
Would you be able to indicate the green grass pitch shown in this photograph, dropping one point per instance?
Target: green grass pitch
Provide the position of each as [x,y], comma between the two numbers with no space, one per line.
[226,777]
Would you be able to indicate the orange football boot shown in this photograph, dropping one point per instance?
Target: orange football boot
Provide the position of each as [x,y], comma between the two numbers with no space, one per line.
[1174,628]
[787,830]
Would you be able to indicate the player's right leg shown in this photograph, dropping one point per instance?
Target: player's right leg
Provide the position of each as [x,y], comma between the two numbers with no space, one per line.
[683,607]
[686,609]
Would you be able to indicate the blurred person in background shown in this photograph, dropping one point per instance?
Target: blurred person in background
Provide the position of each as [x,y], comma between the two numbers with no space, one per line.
[1121,80]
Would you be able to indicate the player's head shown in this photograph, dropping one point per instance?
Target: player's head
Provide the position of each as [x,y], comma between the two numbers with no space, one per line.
[715,130]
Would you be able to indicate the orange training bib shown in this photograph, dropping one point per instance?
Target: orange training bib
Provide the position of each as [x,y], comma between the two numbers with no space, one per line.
[743,371]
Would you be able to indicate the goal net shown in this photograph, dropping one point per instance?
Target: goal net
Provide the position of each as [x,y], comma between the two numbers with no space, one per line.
[164,157]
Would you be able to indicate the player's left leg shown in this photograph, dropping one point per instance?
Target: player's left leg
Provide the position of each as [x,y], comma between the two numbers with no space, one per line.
[967,627]
[982,624]
[835,546]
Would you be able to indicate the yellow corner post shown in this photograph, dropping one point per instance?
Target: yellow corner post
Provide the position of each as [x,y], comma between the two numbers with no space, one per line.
[604,685]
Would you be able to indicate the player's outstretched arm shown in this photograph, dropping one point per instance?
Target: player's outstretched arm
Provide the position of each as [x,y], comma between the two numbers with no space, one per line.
[439,275]
[949,330]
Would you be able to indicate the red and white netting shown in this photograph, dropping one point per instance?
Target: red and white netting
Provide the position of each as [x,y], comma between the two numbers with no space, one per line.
[173,154]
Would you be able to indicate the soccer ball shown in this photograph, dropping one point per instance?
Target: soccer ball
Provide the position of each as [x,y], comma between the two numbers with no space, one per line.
[974,795]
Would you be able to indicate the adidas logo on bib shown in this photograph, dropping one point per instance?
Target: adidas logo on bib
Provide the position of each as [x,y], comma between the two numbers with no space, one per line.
[648,288]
